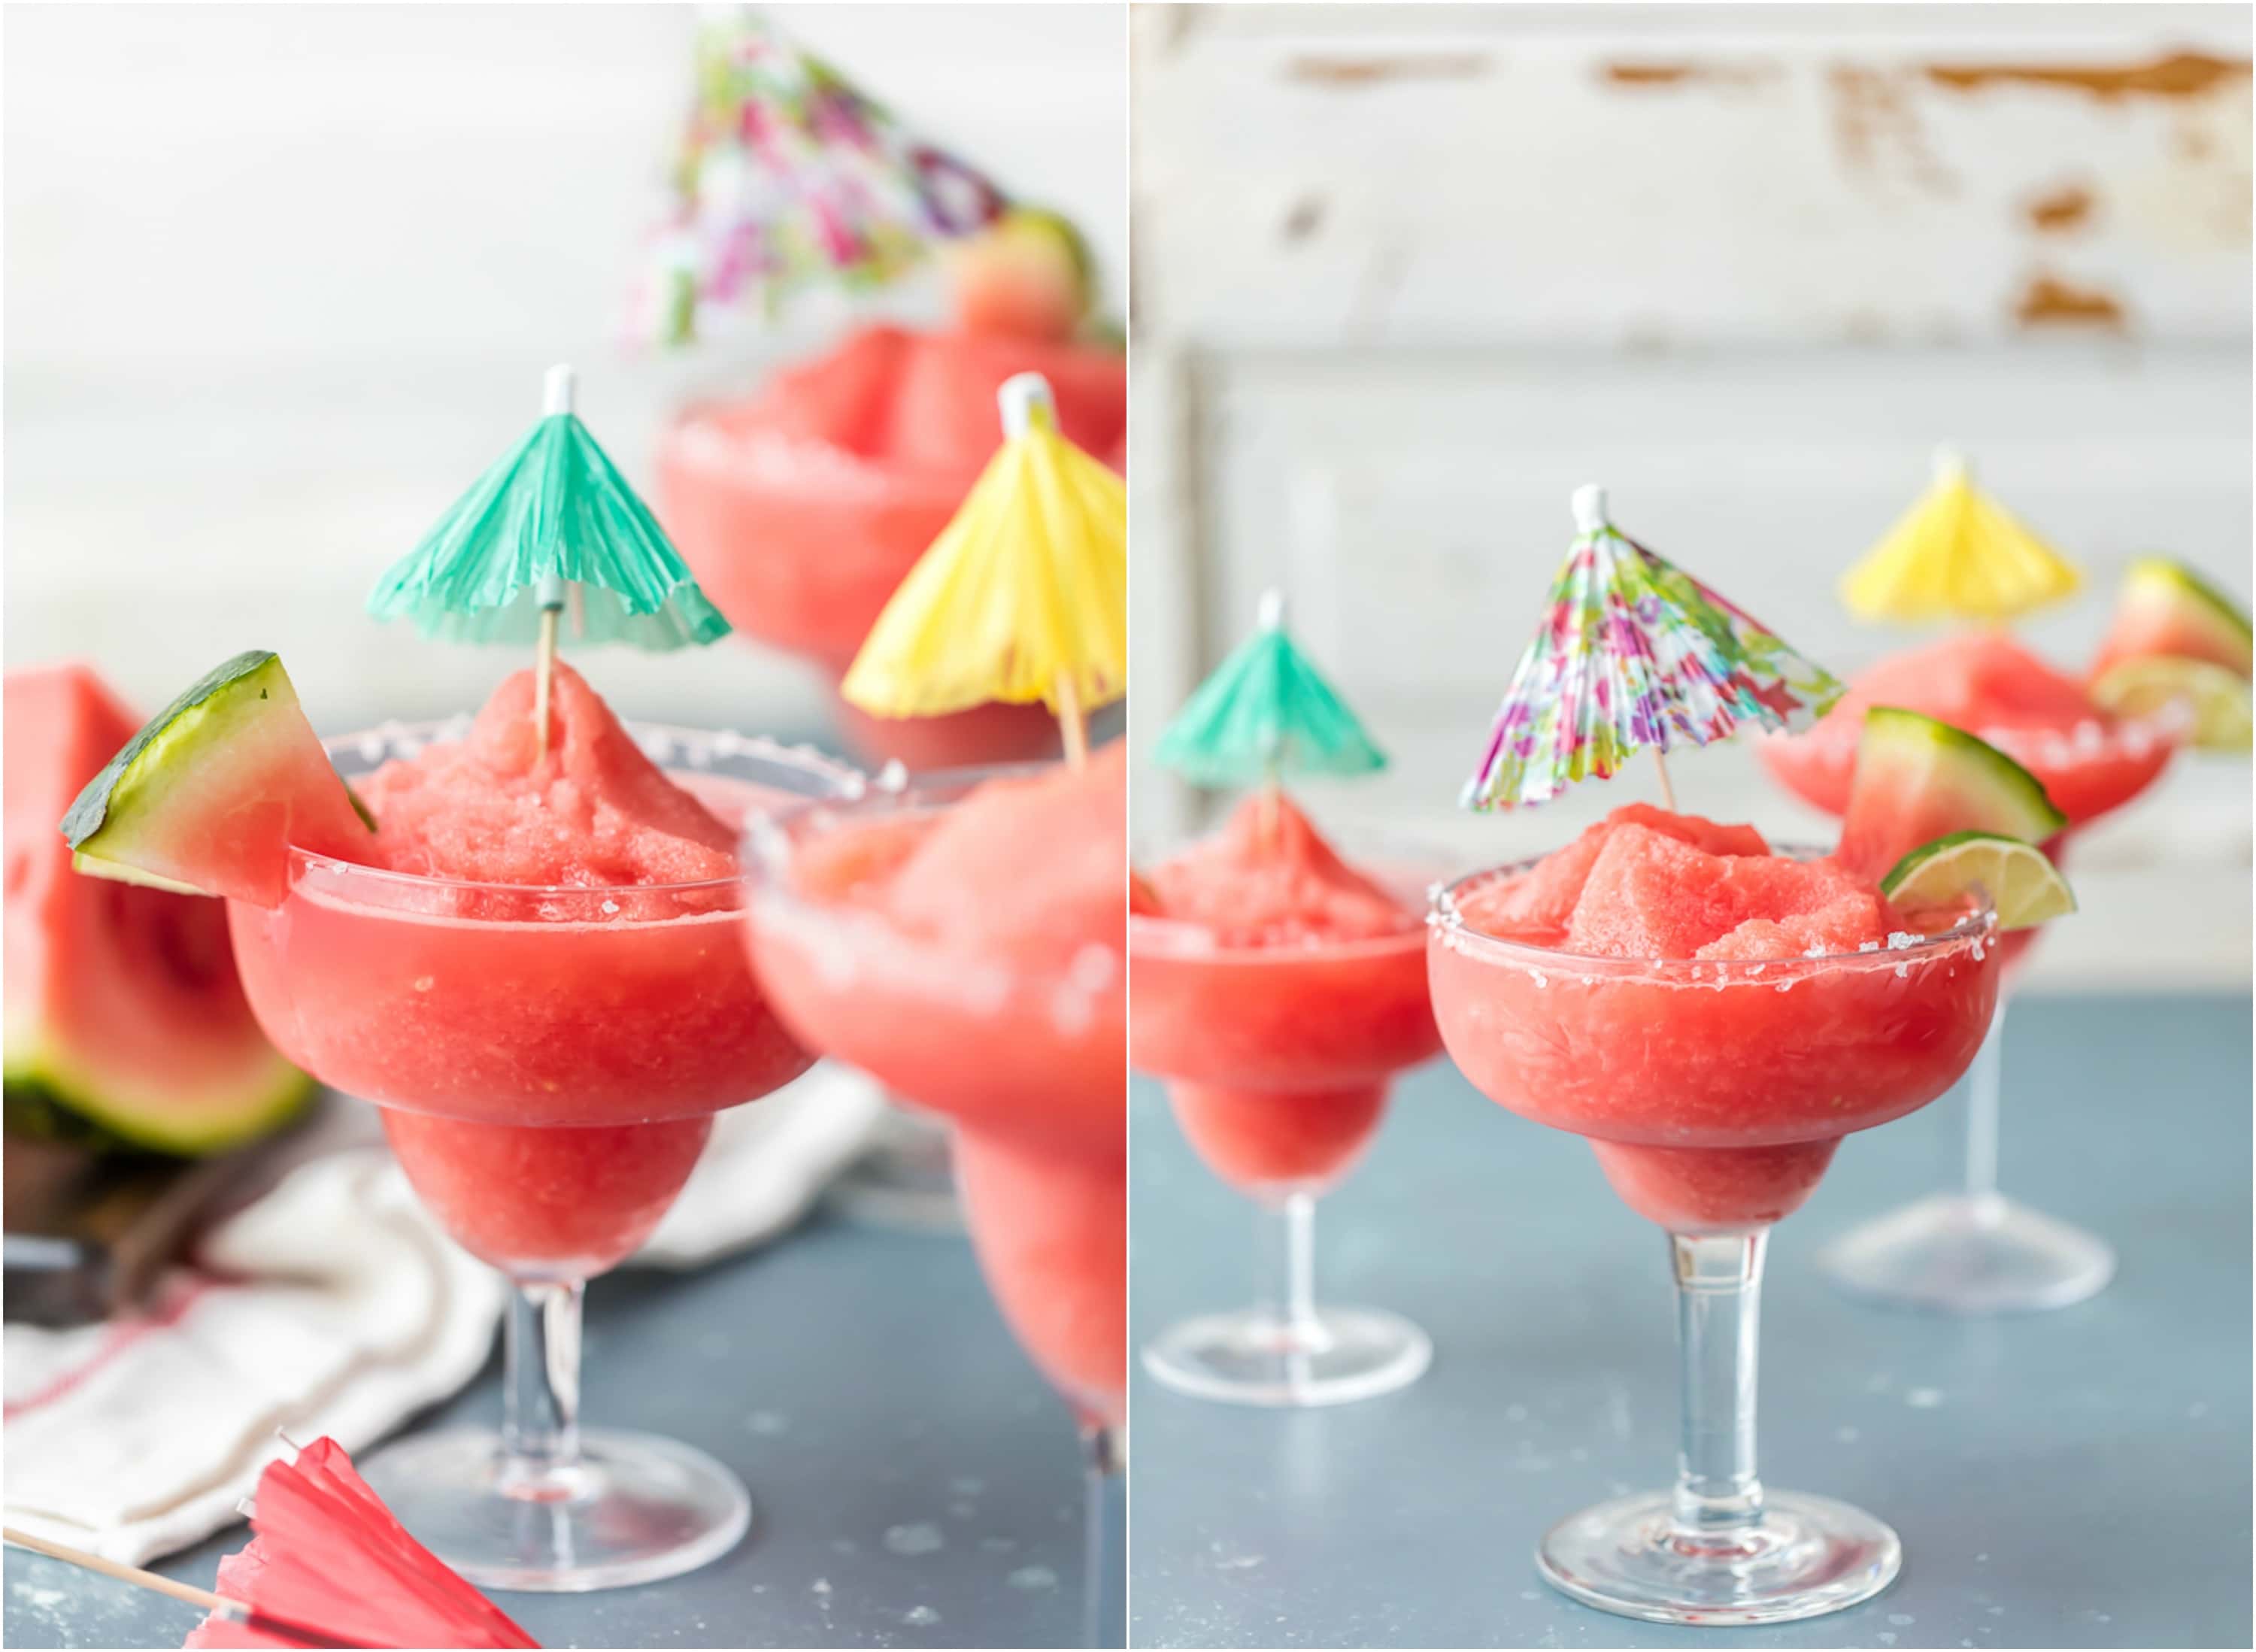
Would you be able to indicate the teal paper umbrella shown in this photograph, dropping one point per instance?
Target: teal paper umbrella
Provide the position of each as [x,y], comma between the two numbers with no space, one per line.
[1266,714]
[551,527]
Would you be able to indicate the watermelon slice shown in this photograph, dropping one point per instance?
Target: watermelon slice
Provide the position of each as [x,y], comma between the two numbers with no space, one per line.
[124,1020]
[2166,608]
[1027,275]
[213,793]
[1919,778]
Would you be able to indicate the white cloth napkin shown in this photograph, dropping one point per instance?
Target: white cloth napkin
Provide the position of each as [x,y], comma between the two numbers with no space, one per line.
[333,1305]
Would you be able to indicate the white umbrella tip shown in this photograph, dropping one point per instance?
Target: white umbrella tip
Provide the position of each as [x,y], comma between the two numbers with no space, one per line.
[1020,395]
[1589,507]
[556,388]
[1950,463]
[1273,610]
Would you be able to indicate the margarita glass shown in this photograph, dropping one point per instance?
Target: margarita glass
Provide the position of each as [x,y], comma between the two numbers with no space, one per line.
[800,510]
[1975,1251]
[983,977]
[547,1062]
[1714,1094]
[1279,1039]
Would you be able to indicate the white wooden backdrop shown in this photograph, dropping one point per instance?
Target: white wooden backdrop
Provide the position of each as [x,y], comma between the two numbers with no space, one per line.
[1405,275]
[280,280]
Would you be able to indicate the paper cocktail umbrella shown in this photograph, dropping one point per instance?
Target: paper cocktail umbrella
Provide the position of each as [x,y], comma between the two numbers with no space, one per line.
[1266,714]
[1635,652]
[1956,554]
[550,525]
[1024,596]
[788,174]
[327,1566]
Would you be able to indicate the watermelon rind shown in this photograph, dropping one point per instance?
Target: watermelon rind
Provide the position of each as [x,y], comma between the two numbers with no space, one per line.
[2024,888]
[48,1094]
[2013,798]
[2207,624]
[197,746]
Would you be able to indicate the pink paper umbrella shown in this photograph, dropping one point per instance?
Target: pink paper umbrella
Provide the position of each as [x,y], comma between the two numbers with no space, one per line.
[328,1565]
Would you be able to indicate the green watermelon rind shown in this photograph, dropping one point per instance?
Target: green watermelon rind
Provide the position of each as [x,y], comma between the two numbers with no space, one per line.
[2025,811]
[49,1096]
[2191,600]
[123,807]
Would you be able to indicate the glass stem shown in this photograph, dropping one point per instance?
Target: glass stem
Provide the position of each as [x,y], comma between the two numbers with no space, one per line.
[541,1382]
[1718,1309]
[1983,1082]
[1102,1457]
[1289,1264]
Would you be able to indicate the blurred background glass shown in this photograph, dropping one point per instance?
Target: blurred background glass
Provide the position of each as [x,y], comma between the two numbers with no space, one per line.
[282,281]
[1407,276]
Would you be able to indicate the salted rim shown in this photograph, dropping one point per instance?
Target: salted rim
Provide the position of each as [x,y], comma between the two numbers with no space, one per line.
[1449,925]
[701,747]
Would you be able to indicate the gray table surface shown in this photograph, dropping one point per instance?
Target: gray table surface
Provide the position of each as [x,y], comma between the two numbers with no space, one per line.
[2079,1478]
[916,1482]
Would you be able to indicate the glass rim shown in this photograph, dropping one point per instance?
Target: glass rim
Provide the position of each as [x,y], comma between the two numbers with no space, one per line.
[764,843]
[1447,924]
[726,743]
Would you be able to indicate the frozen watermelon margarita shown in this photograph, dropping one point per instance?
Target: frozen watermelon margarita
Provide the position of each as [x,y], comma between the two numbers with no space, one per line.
[1714,1015]
[530,964]
[961,939]
[1278,990]
[1975,1251]
[801,509]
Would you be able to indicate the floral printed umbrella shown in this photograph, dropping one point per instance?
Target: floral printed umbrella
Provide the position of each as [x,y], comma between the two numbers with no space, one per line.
[1956,554]
[790,175]
[1634,652]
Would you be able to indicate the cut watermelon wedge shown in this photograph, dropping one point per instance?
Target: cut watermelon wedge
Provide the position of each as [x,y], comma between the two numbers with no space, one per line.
[125,1021]
[2166,609]
[1027,275]
[214,790]
[1918,780]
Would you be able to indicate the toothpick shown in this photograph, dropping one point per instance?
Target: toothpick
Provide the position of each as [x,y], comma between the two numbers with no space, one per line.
[134,1575]
[1069,720]
[1668,792]
[1272,803]
[225,1605]
[544,668]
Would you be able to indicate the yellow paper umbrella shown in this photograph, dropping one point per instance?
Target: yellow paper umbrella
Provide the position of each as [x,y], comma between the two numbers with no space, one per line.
[1956,554]
[1023,596]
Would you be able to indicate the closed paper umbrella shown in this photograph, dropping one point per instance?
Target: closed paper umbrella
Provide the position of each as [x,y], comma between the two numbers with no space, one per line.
[1024,596]
[1635,652]
[551,526]
[1956,554]
[328,1565]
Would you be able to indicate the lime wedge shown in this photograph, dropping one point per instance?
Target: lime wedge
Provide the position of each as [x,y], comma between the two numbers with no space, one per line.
[2219,697]
[2024,887]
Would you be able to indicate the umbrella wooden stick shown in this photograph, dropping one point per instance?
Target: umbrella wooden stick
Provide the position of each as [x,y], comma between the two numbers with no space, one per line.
[1668,792]
[556,397]
[1070,723]
[156,1583]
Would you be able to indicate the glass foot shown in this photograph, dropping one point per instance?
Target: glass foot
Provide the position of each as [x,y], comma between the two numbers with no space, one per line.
[635,1509]
[905,1179]
[1254,1357]
[1807,1556]
[1959,1255]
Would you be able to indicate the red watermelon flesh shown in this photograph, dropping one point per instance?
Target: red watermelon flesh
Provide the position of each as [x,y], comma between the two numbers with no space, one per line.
[122,1002]
[2165,609]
